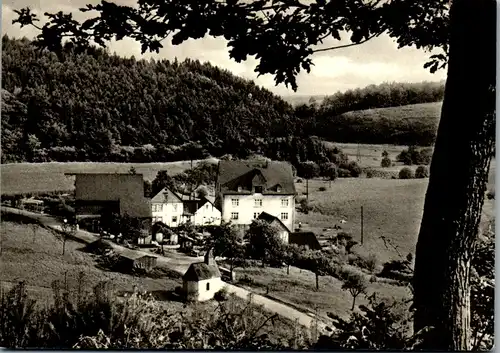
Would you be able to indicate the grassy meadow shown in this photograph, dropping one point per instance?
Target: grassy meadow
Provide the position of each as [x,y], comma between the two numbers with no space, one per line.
[33,254]
[46,177]
[299,289]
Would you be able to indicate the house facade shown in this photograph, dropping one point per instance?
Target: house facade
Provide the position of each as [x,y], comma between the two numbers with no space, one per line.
[201,212]
[167,207]
[246,189]
[173,210]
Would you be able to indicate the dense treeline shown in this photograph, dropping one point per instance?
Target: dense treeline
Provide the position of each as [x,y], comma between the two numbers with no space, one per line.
[101,107]
[98,106]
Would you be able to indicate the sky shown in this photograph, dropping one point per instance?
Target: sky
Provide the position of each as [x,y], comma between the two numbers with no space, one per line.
[374,62]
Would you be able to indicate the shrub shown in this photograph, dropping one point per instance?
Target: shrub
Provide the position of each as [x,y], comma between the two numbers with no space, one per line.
[322,188]
[299,181]
[405,173]
[222,295]
[422,172]
[366,262]
[386,162]
[370,173]
[412,155]
[344,173]
[491,195]
[354,168]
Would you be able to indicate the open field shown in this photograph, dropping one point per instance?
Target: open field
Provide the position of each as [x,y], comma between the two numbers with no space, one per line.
[392,208]
[370,155]
[47,177]
[299,288]
[33,254]
[423,112]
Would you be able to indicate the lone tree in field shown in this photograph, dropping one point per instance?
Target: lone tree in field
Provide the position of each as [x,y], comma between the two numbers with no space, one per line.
[356,285]
[284,34]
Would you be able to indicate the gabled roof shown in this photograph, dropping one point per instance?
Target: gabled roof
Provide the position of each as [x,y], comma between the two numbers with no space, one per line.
[126,188]
[166,196]
[201,271]
[232,174]
[270,219]
[304,239]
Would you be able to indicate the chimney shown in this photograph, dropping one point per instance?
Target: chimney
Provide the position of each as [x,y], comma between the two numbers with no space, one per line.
[209,258]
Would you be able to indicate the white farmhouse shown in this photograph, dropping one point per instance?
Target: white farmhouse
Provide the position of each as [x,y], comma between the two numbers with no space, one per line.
[202,279]
[201,212]
[245,189]
[167,207]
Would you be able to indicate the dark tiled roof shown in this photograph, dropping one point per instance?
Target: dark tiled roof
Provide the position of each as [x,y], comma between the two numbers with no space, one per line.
[127,188]
[270,219]
[304,239]
[201,271]
[232,174]
[166,196]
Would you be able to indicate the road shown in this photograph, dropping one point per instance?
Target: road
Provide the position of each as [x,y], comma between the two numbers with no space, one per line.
[180,263]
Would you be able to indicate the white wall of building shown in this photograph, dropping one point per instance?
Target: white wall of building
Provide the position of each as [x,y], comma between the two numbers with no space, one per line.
[206,213]
[247,208]
[168,213]
[199,289]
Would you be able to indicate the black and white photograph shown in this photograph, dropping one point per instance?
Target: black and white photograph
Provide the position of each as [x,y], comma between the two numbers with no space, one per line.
[273,175]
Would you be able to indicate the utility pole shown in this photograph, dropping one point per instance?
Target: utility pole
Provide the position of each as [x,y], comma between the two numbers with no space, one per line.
[362,225]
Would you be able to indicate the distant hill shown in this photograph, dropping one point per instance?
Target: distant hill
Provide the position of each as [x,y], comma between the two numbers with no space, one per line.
[409,124]
[304,99]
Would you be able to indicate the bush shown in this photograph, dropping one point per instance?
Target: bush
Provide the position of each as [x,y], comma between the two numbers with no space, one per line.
[412,155]
[386,162]
[422,172]
[491,195]
[344,173]
[322,188]
[366,262]
[222,295]
[405,173]
[354,168]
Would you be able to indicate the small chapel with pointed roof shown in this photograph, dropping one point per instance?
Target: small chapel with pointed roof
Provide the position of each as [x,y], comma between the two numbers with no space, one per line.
[202,279]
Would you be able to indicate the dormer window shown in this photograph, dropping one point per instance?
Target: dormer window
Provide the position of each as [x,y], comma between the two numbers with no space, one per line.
[278,188]
[239,189]
[258,189]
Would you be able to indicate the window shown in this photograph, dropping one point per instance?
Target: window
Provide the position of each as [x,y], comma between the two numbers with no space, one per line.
[207,206]
[256,215]
[239,188]
[284,202]
[258,189]
[284,216]
[208,286]
[278,188]
[235,202]
[234,215]
[174,219]
[174,206]
[156,207]
[258,202]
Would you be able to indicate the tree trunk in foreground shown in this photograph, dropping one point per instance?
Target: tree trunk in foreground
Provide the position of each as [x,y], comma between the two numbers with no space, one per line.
[458,179]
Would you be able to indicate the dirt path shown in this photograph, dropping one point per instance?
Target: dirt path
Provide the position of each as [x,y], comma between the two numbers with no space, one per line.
[180,263]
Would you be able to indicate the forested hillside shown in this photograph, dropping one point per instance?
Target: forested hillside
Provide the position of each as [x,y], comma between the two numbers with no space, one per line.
[98,106]
[101,107]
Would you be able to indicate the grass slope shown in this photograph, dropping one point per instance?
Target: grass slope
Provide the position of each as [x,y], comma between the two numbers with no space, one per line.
[33,254]
[46,177]
[411,112]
